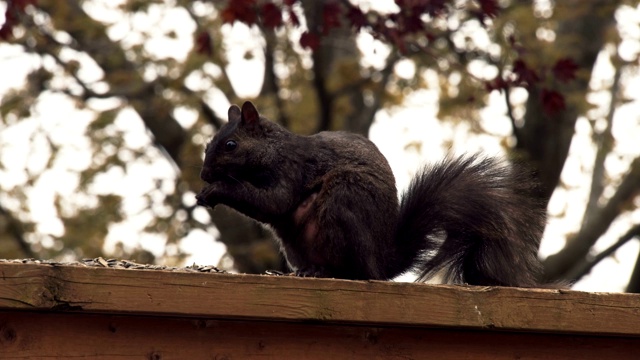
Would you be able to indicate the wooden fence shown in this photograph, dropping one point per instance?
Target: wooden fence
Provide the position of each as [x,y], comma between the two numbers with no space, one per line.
[62,311]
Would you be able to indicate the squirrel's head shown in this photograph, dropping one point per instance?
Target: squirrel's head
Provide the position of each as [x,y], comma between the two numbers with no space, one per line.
[242,142]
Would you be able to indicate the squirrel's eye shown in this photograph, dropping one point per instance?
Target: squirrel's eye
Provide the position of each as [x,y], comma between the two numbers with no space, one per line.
[230,145]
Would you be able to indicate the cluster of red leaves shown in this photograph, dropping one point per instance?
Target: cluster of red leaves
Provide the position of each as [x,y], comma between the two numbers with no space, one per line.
[250,12]
[488,9]
[309,40]
[564,70]
[240,10]
[331,14]
[12,16]
[552,101]
[266,13]
[204,43]
[525,76]
[432,8]
[393,28]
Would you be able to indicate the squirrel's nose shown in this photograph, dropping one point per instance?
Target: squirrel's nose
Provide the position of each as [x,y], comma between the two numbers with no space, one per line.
[201,199]
[206,174]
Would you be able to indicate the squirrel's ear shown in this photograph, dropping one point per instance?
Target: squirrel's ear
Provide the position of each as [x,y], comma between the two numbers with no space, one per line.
[234,112]
[250,114]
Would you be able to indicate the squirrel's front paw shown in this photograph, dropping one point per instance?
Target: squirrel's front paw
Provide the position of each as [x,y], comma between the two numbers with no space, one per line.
[206,196]
[312,271]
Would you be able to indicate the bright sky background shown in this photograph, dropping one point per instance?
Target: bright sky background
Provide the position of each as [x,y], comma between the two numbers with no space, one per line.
[414,122]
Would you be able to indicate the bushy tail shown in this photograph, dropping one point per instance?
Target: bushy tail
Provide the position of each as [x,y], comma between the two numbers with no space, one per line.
[473,219]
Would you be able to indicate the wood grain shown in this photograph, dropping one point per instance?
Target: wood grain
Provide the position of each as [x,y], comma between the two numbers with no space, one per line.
[323,301]
[39,335]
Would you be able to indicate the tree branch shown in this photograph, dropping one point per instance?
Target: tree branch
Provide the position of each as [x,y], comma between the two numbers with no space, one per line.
[14,228]
[205,109]
[120,73]
[604,144]
[558,265]
[585,265]
[355,86]
[210,115]
[634,281]
[512,118]
[202,26]
[365,121]
[313,16]
[546,139]
[271,85]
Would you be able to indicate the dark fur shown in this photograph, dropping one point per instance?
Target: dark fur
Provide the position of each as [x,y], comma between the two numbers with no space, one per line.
[332,200]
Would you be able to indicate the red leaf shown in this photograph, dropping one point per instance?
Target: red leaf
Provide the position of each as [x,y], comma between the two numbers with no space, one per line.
[228,16]
[330,16]
[271,15]
[435,8]
[524,75]
[309,40]
[11,16]
[240,10]
[293,18]
[489,8]
[412,23]
[204,45]
[495,84]
[565,69]
[21,4]
[397,40]
[6,30]
[356,18]
[552,101]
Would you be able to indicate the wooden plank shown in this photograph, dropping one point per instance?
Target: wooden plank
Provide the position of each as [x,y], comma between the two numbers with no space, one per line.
[224,296]
[32,335]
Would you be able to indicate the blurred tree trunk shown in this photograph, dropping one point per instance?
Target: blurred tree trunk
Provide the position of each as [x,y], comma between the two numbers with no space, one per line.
[634,282]
[251,247]
[336,54]
[12,236]
[122,76]
[342,103]
[546,139]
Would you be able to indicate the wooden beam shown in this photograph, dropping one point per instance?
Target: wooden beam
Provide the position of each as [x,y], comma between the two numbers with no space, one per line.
[90,290]
[38,335]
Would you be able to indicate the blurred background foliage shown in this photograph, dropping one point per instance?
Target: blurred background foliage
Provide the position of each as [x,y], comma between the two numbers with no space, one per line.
[149,82]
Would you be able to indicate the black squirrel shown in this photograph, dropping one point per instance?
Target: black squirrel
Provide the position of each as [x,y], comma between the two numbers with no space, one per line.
[332,200]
